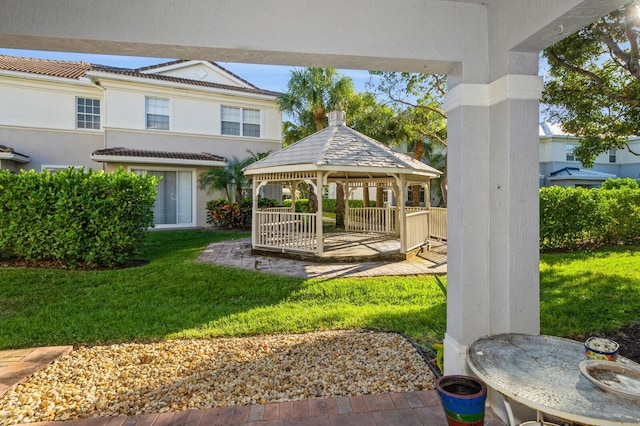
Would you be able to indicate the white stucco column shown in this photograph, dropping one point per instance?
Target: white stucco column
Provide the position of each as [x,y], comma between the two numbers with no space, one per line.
[493,213]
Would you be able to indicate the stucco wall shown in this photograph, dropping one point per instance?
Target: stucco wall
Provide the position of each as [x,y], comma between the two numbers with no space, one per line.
[193,111]
[53,148]
[48,103]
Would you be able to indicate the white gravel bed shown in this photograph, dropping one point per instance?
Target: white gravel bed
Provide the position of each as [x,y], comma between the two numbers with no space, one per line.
[176,375]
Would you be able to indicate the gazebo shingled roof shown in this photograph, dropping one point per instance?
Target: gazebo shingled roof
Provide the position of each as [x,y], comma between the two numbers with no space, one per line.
[341,150]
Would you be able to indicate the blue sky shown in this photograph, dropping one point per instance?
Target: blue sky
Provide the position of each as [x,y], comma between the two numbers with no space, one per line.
[269,77]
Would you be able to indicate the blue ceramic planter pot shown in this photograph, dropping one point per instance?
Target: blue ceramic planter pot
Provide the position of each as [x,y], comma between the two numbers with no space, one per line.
[463,399]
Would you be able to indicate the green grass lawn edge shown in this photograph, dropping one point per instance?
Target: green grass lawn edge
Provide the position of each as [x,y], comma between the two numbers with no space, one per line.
[173,296]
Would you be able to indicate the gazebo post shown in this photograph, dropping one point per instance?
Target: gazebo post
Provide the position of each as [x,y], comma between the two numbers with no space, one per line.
[319,230]
[402,218]
[427,206]
[254,211]
[347,193]
[294,188]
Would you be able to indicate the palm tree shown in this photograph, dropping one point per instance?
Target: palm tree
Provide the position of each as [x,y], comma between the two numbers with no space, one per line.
[311,94]
[256,156]
[230,179]
[216,179]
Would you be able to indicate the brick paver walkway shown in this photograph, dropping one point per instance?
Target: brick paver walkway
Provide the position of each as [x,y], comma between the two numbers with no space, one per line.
[395,409]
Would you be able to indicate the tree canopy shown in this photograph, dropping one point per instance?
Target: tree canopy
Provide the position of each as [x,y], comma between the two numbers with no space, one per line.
[420,121]
[311,94]
[593,85]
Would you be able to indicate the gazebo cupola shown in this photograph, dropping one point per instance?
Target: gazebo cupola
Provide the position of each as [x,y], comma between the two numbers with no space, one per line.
[342,155]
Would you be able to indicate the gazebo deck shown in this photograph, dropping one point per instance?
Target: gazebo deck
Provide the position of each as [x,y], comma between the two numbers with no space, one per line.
[340,247]
[347,247]
[238,254]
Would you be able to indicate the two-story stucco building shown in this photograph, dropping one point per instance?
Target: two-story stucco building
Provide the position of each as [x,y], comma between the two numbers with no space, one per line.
[559,165]
[174,120]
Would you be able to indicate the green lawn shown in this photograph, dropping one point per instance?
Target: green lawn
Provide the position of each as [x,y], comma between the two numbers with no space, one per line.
[172,296]
[589,291]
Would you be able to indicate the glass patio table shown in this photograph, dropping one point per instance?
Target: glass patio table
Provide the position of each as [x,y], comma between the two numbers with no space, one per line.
[542,373]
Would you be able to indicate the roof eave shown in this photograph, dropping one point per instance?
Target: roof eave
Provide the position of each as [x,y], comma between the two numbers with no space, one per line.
[339,168]
[395,170]
[45,77]
[98,75]
[156,160]
[12,156]
[573,177]
[281,169]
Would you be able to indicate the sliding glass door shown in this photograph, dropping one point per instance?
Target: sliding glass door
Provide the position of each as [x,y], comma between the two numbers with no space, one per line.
[174,202]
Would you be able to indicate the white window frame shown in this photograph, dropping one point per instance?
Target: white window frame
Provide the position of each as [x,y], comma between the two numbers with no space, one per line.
[88,114]
[194,192]
[613,155]
[147,113]
[242,121]
[570,151]
[409,193]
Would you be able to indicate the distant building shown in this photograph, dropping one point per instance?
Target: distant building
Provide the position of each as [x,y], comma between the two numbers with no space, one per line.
[174,120]
[559,166]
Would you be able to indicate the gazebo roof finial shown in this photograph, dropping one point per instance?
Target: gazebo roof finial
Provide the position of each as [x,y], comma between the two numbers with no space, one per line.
[337,118]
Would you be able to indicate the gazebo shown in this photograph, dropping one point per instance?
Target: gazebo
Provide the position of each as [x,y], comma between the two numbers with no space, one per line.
[344,156]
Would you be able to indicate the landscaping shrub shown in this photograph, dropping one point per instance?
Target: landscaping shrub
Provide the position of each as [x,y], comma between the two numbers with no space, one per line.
[623,205]
[573,218]
[226,214]
[75,217]
[620,183]
[302,205]
[329,204]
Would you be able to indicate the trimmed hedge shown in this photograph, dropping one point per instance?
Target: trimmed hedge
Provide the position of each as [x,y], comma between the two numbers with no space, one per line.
[573,218]
[302,205]
[75,217]
[329,204]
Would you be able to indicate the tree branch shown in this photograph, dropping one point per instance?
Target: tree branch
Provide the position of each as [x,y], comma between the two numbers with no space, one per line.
[407,103]
[604,89]
[592,76]
[440,84]
[632,36]
[630,150]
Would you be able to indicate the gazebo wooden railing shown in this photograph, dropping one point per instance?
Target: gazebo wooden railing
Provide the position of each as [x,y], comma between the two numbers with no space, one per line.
[371,219]
[418,223]
[438,223]
[286,230]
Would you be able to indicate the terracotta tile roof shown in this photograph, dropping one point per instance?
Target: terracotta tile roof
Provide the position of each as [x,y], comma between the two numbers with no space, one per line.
[76,70]
[65,69]
[127,152]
